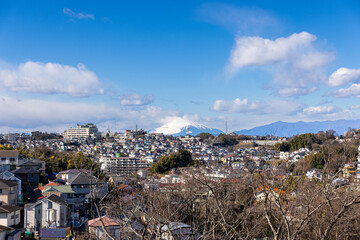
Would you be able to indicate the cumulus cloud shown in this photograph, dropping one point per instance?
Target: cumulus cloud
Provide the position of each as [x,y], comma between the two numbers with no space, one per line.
[296,63]
[255,107]
[353,90]
[256,51]
[51,78]
[78,15]
[343,76]
[135,99]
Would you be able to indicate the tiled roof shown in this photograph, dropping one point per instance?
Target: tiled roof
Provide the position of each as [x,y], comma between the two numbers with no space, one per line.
[23,170]
[57,199]
[53,233]
[106,220]
[49,184]
[83,178]
[9,208]
[60,188]
[6,183]
[74,171]
[9,153]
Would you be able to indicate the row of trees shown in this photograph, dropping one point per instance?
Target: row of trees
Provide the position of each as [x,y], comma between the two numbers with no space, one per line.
[181,158]
[57,161]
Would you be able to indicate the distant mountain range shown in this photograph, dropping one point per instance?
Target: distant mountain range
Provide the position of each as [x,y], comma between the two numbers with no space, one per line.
[285,129]
[281,129]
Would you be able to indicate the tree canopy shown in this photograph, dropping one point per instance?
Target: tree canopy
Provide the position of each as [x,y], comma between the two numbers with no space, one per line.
[181,158]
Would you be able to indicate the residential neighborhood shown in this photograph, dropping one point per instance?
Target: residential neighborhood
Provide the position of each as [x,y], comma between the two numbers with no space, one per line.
[37,203]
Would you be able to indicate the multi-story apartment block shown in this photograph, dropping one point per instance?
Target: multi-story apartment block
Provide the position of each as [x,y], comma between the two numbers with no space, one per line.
[119,165]
[82,131]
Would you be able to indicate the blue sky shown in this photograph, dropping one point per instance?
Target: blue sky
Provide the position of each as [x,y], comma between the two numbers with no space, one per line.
[164,64]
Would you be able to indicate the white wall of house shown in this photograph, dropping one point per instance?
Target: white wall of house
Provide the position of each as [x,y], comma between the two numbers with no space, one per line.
[59,219]
[10,219]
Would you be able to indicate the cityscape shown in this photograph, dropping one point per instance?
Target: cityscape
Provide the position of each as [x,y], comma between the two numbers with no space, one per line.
[179,120]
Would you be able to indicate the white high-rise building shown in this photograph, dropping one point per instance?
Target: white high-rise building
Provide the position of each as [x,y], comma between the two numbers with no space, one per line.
[82,131]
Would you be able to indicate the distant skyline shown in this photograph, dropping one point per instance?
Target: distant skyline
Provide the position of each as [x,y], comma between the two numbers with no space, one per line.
[168,63]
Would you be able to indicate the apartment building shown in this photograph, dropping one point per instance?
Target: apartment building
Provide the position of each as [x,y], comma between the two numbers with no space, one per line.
[82,131]
[120,165]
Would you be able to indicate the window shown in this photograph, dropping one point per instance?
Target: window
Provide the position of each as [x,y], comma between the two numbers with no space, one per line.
[3,159]
[0,190]
[12,159]
[50,205]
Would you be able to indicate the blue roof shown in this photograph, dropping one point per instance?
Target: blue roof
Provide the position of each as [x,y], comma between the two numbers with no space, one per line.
[53,233]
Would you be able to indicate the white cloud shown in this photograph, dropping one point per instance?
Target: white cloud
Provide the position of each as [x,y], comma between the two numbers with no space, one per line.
[321,110]
[353,90]
[239,19]
[343,76]
[355,107]
[38,114]
[297,65]
[296,91]
[51,78]
[311,60]
[256,51]
[79,15]
[135,99]
[255,107]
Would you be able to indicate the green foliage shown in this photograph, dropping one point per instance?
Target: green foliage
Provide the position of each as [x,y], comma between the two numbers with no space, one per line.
[283,147]
[206,136]
[182,158]
[303,141]
[57,161]
[227,140]
[317,160]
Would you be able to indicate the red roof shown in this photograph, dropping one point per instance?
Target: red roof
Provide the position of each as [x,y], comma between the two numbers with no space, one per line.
[49,184]
[106,220]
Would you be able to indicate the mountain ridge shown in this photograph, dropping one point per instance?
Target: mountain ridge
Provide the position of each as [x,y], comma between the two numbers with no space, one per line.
[289,129]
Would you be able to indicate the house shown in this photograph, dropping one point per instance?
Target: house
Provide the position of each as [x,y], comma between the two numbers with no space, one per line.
[271,193]
[10,219]
[29,179]
[68,174]
[7,175]
[51,211]
[9,215]
[177,231]
[349,170]
[9,193]
[284,155]
[9,159]
[63,191]
[33,164]
[314,174]
[81,184]
[113,227]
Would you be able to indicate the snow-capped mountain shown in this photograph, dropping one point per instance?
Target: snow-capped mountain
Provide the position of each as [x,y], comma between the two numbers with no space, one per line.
[182,127]
[286,129]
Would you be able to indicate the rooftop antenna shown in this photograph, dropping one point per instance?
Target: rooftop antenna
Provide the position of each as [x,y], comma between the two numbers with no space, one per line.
[226,127]
[136,128]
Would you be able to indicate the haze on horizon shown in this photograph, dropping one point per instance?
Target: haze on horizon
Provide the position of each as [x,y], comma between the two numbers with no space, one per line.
[171,63]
